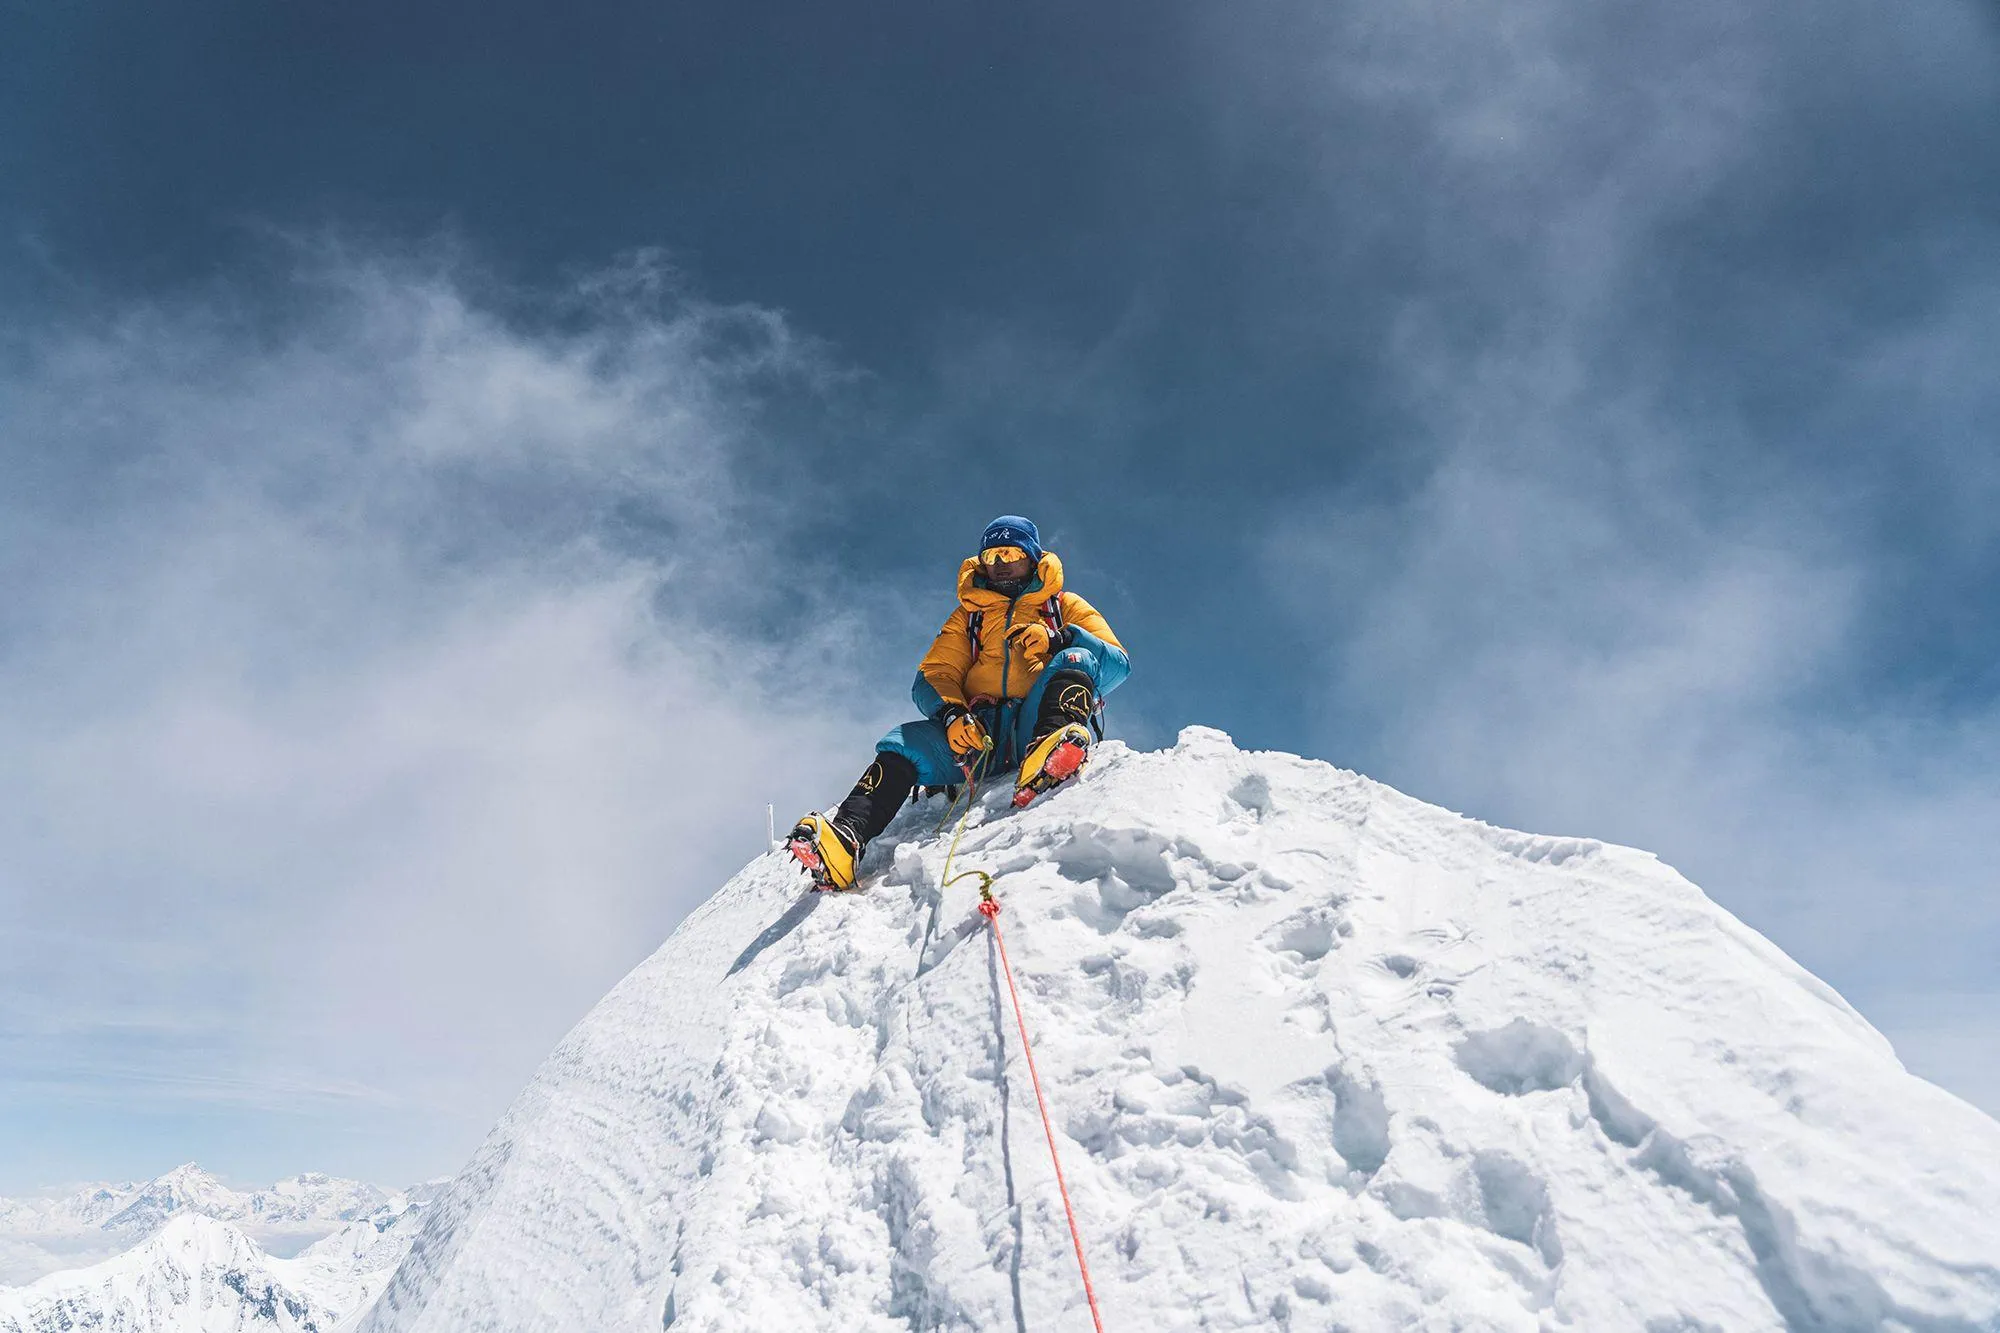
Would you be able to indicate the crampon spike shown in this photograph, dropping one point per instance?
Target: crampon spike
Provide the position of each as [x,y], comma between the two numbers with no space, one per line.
[808,857]
[1061,765]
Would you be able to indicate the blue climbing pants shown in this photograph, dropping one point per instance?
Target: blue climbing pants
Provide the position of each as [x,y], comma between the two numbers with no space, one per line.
[1010,722]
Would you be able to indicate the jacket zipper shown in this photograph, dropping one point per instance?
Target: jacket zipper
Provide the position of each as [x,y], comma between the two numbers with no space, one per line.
[1006,651]
[1006,664]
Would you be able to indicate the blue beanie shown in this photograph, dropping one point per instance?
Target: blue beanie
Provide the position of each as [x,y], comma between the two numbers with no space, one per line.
[1012,530]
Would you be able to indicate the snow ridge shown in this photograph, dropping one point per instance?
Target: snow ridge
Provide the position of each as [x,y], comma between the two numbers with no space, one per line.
[1321,1057]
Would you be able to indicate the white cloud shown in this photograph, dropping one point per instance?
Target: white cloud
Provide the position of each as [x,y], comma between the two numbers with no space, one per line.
[384,676]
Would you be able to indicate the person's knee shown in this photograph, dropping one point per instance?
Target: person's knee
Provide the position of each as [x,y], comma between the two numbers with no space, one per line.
[1075,659]
[898,769]
[1071,695]
[922,745]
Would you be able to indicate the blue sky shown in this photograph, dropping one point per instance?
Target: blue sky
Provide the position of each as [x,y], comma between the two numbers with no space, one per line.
[461,463]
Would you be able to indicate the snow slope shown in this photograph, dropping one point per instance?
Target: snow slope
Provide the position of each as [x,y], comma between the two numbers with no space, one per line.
[201,1275]
[42,1235]
[1320,1057]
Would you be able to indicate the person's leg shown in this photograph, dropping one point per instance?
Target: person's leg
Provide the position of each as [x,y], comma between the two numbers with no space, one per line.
[1065,692]
[1069,696]
[1054,724]
[912,753]
[876,797]
[831,845]
[922,743]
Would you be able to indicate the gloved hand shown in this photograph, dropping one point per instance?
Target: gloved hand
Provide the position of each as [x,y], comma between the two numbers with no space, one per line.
[1036,643]
[962,731]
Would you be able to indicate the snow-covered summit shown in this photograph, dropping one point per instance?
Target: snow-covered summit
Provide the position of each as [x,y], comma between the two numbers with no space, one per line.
[1319,1056]
[186,1188]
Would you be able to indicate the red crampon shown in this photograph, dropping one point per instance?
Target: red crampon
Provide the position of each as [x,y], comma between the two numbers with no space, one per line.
[1061,765]
[806,855]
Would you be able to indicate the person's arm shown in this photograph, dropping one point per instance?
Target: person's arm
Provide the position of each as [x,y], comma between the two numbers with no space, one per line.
[1085,628]
[950,657]
[1079,614]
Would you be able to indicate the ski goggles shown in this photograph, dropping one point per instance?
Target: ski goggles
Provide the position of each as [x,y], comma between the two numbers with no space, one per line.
[1001,555]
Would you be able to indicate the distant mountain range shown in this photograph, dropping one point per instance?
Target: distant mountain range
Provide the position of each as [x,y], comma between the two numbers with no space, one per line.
[200,1273]
[113,1217]
[186,1251]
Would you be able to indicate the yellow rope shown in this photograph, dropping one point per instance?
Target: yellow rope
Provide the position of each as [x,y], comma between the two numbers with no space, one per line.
[945,879]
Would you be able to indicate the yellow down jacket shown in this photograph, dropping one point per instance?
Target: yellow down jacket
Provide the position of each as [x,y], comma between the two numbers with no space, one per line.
[995,669]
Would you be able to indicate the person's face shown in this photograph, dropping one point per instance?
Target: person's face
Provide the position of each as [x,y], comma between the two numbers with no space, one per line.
[1006,565]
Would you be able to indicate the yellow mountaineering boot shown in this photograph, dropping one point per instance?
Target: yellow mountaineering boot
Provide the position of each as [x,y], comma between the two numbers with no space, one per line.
[1054,760]
[826,849]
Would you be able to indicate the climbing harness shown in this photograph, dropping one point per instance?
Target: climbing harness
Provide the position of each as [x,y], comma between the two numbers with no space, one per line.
[989,907]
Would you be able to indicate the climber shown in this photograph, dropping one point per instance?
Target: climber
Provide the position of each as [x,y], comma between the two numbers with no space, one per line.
[1014,681]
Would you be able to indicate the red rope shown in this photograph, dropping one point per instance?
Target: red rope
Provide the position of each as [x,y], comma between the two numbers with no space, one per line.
[989,908]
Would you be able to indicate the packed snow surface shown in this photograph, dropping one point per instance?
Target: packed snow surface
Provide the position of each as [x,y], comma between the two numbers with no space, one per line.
[1319,1056]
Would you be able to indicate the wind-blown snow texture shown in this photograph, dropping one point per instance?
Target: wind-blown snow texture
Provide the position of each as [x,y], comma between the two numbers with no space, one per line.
[1320,1057]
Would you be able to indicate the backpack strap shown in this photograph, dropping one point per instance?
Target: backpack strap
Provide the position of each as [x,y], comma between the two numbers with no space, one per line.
[1052,617]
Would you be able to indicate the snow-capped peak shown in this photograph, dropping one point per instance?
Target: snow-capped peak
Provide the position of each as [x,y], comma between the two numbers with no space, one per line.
[1317,1055]
[185,1188]
[198,1274]
[195,1274]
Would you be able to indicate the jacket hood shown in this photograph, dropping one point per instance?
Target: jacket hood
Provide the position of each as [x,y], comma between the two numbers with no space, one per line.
[1048,583]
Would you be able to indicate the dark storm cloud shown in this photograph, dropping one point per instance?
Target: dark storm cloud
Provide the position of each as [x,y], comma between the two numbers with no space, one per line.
[1698,548]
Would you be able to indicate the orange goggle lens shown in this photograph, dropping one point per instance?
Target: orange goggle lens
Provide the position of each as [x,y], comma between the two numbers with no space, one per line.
[1001,555]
